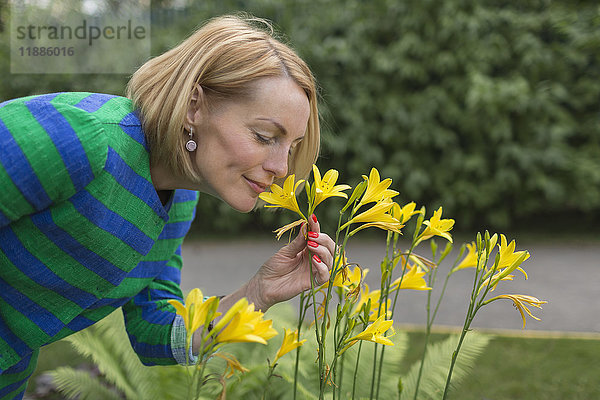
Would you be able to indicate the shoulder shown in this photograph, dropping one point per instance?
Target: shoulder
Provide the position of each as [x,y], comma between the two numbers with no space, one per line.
[184,205]
[57,138]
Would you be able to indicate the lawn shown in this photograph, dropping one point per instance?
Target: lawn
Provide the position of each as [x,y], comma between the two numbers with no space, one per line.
[511,368]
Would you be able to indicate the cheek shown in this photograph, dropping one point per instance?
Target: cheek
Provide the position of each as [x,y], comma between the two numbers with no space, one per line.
[246,154]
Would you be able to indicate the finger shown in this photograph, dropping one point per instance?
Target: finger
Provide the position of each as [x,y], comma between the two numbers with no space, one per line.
[313,224]
[322,252]
[322,239]
[320,269]
[296,245]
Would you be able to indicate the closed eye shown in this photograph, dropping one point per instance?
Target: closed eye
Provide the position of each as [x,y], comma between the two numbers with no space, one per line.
[261,138]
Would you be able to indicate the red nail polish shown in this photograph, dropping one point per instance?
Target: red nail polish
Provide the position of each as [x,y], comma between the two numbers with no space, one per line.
[313,234]
[316,258]
[314,218]
[312,244]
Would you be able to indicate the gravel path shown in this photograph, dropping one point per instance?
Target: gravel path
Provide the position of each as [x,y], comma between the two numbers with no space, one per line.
[567,275]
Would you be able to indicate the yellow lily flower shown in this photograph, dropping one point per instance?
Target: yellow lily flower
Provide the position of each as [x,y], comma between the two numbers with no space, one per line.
[495,280]
[195,310]
[240,305]
[519,301]
[508,261]
[327,187]
[354,278]
[470,260]
[376,190]
[373,333]
[437,226]
[376,311]
[509,258]
[424,263]
[413,279]
[290,342]
[365,296]
[404,214]
[386,226]
[347,279]
[377,216]
[284,197]
[264,328]
[246,325]
[280,231]
[232,364]
[375,297]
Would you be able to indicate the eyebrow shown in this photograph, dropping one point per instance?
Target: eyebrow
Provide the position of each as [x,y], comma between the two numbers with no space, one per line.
[280,127]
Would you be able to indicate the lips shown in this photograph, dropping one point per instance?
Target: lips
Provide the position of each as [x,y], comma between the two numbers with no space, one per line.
[258,187]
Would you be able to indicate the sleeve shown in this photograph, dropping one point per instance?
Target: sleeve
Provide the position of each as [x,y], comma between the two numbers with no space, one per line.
[154,329]
[156,332]
[48,152]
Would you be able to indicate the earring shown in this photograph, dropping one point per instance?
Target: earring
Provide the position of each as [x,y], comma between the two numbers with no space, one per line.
[191,145]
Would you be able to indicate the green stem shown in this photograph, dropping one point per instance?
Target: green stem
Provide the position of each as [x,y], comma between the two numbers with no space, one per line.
[427,334]
[187,369]
[200,382]
[204,361]
[437,306]
[401,278]
[470,315]
[336,267]
[385,290]
[336,332]
[271,369]
[373,375]
[317,336]
[338,344]
[343,356]
[341,379]
[469,318]
[356,369]
[380,369]
[334,271]
[301,315]
[428,331]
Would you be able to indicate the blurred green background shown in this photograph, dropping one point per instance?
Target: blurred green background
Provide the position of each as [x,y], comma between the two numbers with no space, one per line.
[489,108]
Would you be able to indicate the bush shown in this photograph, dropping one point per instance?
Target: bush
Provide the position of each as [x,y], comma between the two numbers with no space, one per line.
[489,109]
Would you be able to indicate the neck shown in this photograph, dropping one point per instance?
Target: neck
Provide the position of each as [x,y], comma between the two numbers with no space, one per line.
[165,180]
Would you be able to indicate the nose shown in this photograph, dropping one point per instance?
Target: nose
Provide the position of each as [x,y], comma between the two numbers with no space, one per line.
[277,163]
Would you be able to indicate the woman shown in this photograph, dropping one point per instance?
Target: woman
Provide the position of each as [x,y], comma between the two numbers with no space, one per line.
[99,191]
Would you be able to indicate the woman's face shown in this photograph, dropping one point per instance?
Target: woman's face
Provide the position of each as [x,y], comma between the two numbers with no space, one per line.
[244,145]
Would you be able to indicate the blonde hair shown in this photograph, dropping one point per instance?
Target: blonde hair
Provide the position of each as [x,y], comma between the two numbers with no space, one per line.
[224,57]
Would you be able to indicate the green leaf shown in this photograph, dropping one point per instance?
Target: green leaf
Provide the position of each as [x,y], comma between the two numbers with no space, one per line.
[437,364]
[356,193]
[77,384]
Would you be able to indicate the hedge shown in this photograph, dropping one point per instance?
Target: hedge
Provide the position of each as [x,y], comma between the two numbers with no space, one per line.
[489,108]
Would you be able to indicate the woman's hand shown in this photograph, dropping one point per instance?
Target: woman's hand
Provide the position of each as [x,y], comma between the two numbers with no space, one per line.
[287,273]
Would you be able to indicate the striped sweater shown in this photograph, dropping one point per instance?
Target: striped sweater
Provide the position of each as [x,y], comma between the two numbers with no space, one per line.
[82,229]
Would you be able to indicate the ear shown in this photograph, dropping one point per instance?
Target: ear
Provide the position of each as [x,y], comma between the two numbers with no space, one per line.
[194,112]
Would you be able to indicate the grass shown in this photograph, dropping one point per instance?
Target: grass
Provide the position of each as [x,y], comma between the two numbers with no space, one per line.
[538,368]
[511,368]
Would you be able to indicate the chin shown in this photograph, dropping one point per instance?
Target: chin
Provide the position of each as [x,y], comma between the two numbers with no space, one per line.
[244,210]
[243,207]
